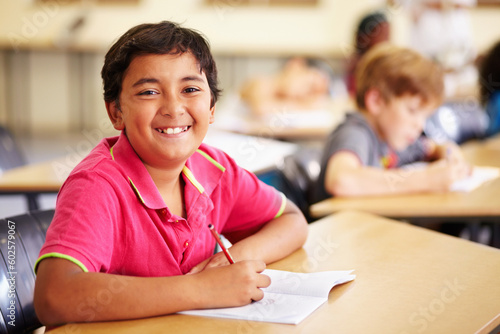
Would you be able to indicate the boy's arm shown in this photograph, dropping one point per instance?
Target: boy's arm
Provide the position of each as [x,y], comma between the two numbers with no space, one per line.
[447,150]
[64,293]
[275,240]
[345,176]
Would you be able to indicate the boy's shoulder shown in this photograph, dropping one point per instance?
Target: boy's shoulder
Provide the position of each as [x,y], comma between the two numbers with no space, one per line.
[99,155]
[209,155]
[354,124]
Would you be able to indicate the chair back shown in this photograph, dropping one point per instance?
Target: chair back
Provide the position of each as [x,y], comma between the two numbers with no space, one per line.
[21,238]
[295,177]
[10,154]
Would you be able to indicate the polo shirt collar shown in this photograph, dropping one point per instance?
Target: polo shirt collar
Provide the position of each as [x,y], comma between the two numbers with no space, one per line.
[201,174]
[203,171]
[133,168]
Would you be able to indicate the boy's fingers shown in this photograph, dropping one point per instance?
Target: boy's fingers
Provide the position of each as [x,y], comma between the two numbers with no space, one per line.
[258,295]
[259,266]
[263,281]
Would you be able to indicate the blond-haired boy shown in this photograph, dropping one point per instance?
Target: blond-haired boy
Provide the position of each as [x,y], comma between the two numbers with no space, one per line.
[397,90]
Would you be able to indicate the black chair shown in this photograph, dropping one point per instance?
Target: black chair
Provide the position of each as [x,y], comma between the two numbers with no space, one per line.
[10,153]
[295,177]
[21,238]
[11,156]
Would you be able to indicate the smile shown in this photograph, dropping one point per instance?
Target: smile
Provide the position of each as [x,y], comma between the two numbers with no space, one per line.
[173,131]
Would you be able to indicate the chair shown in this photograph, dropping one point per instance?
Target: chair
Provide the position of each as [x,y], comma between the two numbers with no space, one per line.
[295,177]
[21,238]
[12,157]
[10,154]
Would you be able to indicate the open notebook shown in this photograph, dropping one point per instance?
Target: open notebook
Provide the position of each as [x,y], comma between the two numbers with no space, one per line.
[289,299]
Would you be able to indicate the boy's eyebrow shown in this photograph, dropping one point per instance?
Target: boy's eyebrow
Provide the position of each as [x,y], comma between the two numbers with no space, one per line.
[193,78]
[153,80]
[145,80]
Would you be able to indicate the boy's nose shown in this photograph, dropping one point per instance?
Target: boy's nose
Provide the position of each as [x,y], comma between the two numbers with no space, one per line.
[172,106]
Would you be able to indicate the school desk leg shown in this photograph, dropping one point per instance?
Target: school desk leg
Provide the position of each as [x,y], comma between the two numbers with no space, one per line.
[32,202]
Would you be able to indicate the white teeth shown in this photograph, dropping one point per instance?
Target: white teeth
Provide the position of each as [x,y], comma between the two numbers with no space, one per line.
[172,131]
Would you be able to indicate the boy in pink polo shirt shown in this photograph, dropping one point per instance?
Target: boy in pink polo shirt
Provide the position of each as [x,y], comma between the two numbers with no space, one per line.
[130,235]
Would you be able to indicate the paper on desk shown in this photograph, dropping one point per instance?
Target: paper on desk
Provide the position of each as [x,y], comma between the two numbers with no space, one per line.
[479,175]
[289,299]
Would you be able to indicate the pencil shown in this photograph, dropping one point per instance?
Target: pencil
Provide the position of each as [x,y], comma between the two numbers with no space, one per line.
[224,249]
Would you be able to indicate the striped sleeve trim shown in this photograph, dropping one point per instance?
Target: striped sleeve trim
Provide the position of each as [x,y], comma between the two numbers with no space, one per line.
[61,256]
[282,207]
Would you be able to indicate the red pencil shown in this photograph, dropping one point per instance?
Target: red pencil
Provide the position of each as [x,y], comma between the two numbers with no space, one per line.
[224,249]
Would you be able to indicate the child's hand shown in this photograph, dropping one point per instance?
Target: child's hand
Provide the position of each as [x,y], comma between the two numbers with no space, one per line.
[216,260]
[233,285]
[450,151]
[444,172]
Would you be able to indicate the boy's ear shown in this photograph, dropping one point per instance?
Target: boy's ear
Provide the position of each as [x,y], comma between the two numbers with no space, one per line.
[115,115]
[212,115]
[374,102]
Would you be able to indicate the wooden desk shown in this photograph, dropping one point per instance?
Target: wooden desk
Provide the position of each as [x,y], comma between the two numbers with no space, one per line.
[284,124]
[409,280]
[492,143]
[255,154]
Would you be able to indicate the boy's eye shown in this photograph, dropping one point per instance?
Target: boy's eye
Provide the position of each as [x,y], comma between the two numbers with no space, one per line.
[191,90]
[148,92]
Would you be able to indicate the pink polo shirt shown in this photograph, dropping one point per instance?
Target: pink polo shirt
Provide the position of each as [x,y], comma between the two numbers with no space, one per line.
[111,218]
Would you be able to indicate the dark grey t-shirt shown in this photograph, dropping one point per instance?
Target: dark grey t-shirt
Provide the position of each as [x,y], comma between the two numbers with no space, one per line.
[356,136]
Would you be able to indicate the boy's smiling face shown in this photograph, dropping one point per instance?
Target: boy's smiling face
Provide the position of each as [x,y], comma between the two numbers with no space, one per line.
[164,108]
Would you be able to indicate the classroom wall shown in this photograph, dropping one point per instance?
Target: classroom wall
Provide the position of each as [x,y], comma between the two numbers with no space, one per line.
[49,78]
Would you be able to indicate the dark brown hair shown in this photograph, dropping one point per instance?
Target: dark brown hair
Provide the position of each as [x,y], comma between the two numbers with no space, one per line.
[156,38]
[489,73]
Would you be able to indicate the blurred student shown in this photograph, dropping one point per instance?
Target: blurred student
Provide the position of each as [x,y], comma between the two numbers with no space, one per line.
[130,236]
[302,84]
[397,89]
[489,88]
[373,28]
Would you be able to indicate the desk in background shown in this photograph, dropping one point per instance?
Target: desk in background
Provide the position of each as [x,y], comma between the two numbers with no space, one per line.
[286,125]
[409,280]
[481,204]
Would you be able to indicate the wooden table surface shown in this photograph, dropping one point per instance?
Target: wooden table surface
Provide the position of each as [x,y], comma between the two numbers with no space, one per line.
[298,125]
[409,280]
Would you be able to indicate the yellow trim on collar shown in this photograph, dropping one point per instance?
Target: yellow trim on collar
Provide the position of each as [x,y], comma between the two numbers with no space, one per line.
[212,160]
[129,179]
[283,205]
[192,179]
[136,191]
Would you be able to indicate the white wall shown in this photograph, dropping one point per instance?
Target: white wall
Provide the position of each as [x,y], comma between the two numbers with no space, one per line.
[45,87]
[230,28]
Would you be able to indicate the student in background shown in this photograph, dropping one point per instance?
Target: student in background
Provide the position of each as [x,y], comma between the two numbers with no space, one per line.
[131,222]
[372,29]
[302,84]
[397,89]
[489,88]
